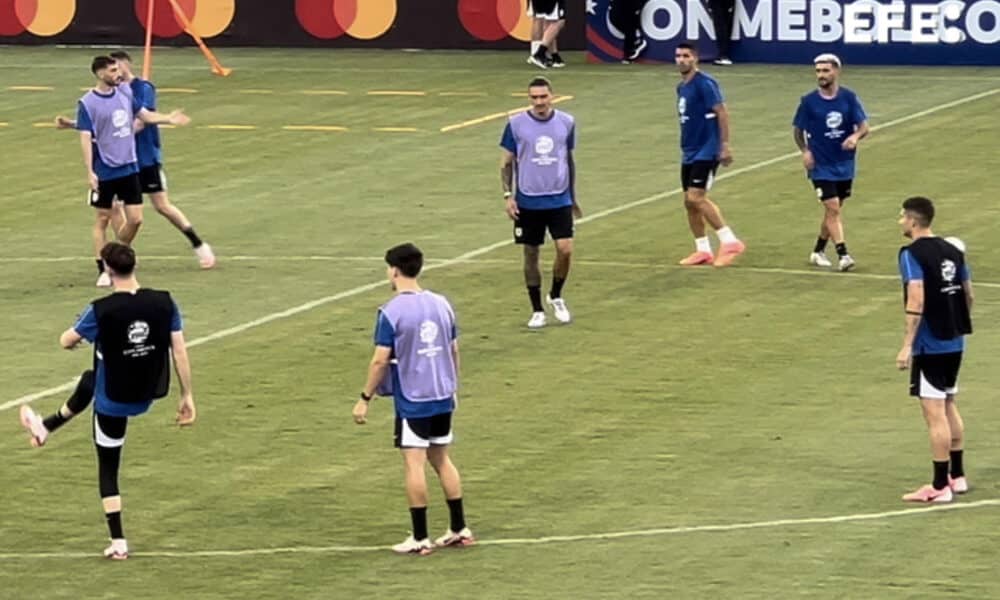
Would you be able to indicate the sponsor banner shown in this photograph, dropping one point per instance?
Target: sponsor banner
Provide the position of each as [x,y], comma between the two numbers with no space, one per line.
[429,24]
[946,32]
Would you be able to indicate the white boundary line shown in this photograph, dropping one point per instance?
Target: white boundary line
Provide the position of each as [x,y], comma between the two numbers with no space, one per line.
[489,248]
[554,539]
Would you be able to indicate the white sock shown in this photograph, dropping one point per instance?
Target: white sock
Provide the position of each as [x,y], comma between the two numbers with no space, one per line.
[726,235]
[534,47]
[702,244]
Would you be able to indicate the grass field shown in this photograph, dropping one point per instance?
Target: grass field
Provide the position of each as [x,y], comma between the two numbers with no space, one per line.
[752,405]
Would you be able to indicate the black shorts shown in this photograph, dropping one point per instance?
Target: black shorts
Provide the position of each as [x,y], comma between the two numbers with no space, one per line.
[550,10]
[699,174]
[153,179]
[828,190]
[423,433]
[935,375]
[530,226]
[125,189]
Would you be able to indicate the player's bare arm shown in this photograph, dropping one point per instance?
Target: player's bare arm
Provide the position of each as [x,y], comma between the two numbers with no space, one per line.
[722,115]
[507,181]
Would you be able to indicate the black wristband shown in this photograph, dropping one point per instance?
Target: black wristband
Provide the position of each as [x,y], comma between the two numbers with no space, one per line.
[365,397]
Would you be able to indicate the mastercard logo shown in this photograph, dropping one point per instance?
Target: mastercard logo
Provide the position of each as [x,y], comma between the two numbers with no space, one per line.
[40,17]
[208,18]
[360,19]
[492,20]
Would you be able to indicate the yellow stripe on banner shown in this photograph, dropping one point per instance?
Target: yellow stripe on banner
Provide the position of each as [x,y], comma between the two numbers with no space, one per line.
[31,88]
[230,127]
[314,128]
[324,92]
[396,129]
[395,93]
[494,116]
[177,90]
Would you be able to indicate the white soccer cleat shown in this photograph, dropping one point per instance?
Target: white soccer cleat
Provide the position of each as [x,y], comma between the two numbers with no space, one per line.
[846,263]
[33,423]
[820,260]
[104,281]
[118,550]
[206,258]
[537,320]
[559,308]
[450,538]
[534,60]
[411,546]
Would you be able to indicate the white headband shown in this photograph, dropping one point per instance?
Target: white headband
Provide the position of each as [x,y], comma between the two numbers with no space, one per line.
[827,58]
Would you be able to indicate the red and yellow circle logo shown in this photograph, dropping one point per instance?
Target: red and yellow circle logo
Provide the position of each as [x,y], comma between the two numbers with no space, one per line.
[41,17]
[208,18]
[492,20]
[360,19]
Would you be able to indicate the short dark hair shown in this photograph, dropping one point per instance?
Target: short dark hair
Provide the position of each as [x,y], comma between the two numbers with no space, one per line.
[688,46]
[120,55]
[540,82]
[922,209]
[101,62]
[119,258]
[407,258]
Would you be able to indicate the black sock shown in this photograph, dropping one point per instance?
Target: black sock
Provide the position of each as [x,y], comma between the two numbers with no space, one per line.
[418,515]
[192,237]
[535,293]
[556,57]
[557,283]
[457,515]
[820,246]
[55,421]
[940,474]
[957,469]
[541,52]
[115,525]
[100,265]
[842,249]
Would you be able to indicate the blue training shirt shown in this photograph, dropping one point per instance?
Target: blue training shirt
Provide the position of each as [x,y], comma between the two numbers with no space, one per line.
[87,327]
[827,122]
[147,141]
[700,136]
[385,335]
[925,342]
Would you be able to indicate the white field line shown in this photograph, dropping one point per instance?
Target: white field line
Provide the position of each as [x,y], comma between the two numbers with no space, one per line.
[489,248]
[554,539]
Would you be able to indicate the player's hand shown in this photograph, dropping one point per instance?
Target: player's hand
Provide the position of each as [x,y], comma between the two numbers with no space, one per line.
[179,118]
[808,160]
[850,143]
[726,156]
[511,209]
[577,211]
[186,413]
[64,123]
[360,412]
[92,180]
[904,358]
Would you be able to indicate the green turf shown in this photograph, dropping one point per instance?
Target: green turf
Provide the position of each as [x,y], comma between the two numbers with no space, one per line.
[676,398]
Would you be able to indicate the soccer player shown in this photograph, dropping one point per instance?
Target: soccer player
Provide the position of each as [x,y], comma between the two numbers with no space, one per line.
[828,125]
[538,145]
[704,145]
[416,362]
[549,19]
[626,16]
[135,331]
[105,118]
[937,293]
[723,14]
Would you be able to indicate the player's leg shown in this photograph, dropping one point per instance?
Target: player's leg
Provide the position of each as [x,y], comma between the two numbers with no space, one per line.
[702,178]
[956,426]
[109,437]
[411,439]
[831,220]
[557,59]
[117,218]
[560,225]
[537,29]
[40,428]
[702,254]
[129,191]
[547,11]
[173,214]
[926,382]
[529,233]
[451,482]
[102,202]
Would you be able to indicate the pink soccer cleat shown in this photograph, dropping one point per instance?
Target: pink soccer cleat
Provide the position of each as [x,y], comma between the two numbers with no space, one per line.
[728,253]
[697,258]
[959,485]
[33,423]
[206,258]
[928,493]
[118,550]
[455,540]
